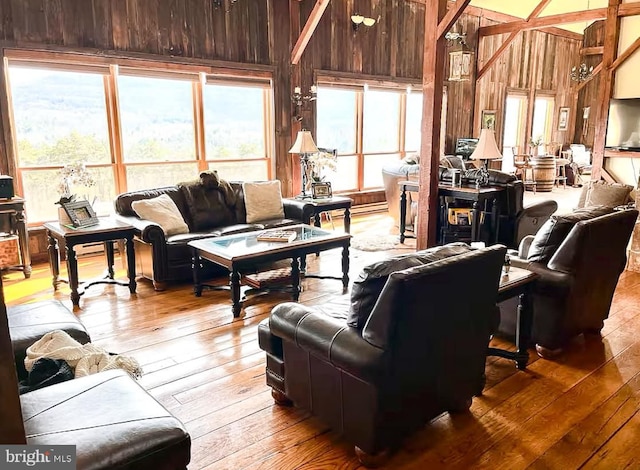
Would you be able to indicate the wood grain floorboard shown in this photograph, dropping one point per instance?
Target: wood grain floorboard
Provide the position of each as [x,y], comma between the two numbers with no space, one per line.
[579,411]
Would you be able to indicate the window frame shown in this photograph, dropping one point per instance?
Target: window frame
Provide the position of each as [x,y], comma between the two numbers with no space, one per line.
[108,67]
[360,86]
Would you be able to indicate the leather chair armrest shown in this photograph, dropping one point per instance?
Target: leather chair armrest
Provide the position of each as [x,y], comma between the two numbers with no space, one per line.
[550,281]
[523,248]
[530,219]
[298,210]
[328,338]
[148,231]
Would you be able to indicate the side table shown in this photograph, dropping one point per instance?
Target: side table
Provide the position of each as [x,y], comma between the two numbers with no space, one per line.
[107,231]
[331,204]
[518,282]
[14,209]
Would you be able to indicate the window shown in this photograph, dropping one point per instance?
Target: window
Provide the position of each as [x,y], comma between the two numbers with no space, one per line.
[156,117]
[234,123]
[134,128]
[515,121]
[60,118]
[368,128]
[542,119]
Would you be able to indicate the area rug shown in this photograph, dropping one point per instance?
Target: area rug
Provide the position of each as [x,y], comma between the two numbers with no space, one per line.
[375,242]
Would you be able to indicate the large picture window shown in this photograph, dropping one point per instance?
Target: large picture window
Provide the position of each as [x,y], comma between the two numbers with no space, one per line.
[369,128]
[133,128]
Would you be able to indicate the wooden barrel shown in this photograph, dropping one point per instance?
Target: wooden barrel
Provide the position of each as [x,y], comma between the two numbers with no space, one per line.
[545,172]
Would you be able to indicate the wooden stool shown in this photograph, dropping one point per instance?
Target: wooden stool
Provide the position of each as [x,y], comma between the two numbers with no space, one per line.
[561,176]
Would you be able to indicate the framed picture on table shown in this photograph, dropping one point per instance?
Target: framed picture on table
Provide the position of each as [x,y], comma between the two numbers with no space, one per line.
[81,213]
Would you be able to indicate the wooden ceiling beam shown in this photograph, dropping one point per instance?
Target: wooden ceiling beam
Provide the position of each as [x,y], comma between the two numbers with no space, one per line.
[594,50]
[629,9]
[503,47]
[452,16]
[541,22]
[626,54]
[307,31]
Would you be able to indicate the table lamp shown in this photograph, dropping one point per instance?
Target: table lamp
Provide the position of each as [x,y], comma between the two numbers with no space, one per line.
[487,149]
[304,145]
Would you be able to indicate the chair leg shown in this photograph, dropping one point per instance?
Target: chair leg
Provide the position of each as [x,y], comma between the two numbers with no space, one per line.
[546,353]
[280,398]
[371,460]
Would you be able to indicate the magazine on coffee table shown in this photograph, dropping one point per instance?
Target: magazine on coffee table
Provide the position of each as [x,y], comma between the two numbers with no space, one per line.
[284,236]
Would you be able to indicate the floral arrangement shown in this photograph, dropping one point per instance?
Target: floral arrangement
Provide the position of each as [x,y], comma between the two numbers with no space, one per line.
[73,174]
[535,142]
[321,161]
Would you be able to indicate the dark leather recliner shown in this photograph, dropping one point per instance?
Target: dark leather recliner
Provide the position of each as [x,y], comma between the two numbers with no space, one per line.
[578,258]
[421,351]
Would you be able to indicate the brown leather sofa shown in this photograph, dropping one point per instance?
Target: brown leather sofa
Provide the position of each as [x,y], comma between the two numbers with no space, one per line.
[409,347]
[110,419]
[578,258]
[208,212]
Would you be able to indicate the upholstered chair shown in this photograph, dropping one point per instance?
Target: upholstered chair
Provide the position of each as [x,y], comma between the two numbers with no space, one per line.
[412,345]
[578,258]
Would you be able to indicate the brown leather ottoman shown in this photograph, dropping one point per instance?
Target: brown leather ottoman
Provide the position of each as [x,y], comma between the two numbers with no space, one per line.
[30,322]
[112,421]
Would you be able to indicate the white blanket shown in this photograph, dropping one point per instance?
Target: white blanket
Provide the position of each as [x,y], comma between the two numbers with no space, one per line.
[85,359]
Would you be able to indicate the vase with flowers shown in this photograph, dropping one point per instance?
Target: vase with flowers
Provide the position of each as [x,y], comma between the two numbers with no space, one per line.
[73,176]
[534,145]
[321,162]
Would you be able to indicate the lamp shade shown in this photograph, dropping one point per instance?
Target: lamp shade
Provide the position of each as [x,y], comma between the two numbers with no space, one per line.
[486,149]
[304,143]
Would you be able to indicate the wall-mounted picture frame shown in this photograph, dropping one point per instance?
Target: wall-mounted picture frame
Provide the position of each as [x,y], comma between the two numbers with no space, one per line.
[489,119]
[563,119]
[81,213]
[321,190]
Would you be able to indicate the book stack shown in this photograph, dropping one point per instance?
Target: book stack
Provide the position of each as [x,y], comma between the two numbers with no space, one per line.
[284,236]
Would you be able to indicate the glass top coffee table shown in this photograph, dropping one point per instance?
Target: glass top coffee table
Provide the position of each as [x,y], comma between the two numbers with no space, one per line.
[243,252]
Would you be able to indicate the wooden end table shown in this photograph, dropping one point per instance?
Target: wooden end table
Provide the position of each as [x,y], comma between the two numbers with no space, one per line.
[331,204]
[107,231]
[14,209]
[518,282]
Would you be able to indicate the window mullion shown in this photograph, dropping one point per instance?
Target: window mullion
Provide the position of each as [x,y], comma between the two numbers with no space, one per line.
[198,122]
[359,137]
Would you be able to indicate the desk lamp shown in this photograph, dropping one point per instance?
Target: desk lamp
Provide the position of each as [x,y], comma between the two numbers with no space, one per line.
[487,149]
[304,146]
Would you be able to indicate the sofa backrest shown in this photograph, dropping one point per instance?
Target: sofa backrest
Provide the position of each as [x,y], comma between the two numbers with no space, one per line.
[124,200]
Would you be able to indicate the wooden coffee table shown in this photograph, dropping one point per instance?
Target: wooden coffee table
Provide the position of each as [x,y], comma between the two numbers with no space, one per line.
[241,253]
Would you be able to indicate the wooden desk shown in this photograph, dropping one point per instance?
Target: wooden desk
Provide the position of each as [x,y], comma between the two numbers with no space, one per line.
[466,193]
[14,209]
[107,231]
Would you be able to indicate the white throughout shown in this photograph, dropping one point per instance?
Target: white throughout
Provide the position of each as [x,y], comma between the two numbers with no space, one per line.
[263,201]
[163,211]
[85,359]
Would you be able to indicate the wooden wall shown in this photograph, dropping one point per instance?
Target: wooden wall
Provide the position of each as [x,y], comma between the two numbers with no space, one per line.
[535,63]
[588,96]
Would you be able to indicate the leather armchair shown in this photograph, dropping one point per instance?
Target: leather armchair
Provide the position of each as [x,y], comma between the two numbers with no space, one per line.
[577,273]
[421,351]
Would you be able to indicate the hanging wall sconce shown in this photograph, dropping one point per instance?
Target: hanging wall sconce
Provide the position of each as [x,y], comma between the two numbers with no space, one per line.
[459,57]
[357,20]
[299,100]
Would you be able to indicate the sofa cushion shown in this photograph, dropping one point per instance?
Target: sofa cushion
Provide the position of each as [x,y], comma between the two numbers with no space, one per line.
[263,200]
[551,235]
[367,287]
[163,211]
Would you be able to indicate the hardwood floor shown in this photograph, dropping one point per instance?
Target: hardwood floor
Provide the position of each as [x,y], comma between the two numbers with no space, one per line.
[580,411]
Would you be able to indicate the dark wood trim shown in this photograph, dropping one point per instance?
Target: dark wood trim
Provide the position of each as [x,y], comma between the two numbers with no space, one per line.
[452,16]
[358,79]
[629,9]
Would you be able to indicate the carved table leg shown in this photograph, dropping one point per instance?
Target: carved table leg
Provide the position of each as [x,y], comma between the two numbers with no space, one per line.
[72,271]
[196,263]
[234,282]
[108,248]
[347,220]
[345,267]
[403,213]
[295,278]
[131,264]
[54,261]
